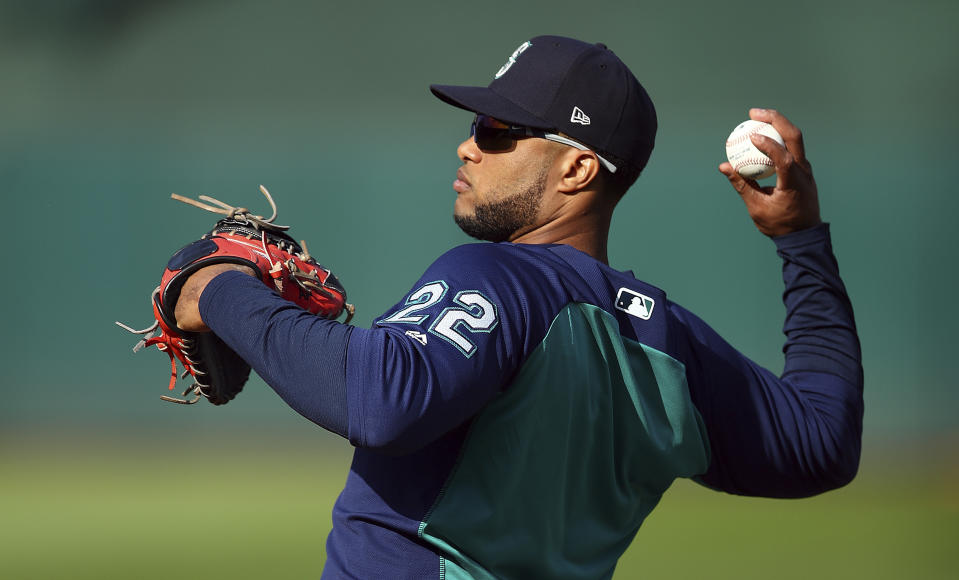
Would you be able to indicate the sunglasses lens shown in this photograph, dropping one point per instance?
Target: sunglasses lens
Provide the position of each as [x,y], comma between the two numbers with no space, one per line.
[489,138]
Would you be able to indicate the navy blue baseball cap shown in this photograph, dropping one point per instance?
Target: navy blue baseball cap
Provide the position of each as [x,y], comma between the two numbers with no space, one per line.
[567,86]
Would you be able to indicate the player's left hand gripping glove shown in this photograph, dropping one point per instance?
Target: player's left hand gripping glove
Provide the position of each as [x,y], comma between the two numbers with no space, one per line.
[218,373]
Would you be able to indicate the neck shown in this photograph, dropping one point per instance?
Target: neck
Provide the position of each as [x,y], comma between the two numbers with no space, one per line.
[586,229]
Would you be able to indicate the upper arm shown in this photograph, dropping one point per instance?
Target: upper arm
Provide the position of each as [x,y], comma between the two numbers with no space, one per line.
[440,354]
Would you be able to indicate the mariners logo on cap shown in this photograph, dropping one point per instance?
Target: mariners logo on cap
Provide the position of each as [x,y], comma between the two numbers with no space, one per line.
[512,58]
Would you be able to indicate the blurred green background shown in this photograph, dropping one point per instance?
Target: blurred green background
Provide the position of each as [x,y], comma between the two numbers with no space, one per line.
[109,106]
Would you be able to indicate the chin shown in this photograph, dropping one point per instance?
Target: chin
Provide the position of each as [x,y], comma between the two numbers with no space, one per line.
[462,208]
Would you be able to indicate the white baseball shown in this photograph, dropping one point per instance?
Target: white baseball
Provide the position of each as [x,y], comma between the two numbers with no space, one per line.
[750,162]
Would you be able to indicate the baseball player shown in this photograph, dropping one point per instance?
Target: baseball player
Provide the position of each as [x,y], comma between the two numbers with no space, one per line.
[523,408]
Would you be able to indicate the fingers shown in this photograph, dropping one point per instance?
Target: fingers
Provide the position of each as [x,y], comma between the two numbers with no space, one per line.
[780,156]
[791,134]
[745,187]
[792,204]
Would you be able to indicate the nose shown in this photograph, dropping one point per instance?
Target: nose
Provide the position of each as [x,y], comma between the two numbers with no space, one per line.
[468,151]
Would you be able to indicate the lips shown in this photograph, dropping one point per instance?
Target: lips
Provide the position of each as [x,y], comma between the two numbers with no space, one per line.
[462,183]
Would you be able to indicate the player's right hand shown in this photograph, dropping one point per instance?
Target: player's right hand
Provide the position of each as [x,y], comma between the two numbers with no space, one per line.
[793,203]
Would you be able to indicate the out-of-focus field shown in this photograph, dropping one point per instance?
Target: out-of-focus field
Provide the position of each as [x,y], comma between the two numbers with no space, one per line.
[113,509]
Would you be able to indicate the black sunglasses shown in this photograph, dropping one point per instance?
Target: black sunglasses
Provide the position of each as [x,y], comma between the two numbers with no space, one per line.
[489,137]
[492,138]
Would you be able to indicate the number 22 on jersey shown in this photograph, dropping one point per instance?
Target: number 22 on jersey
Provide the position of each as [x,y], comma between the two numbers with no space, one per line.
[471,312]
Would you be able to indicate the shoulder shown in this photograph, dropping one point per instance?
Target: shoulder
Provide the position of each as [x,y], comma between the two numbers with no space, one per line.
[488,252]
[515,278]
[482,261]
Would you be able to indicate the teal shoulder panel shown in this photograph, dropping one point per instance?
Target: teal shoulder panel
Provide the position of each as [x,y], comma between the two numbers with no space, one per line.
[558,473]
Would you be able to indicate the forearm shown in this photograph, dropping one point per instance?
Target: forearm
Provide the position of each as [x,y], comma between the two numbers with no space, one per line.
[301,356]
[820,329]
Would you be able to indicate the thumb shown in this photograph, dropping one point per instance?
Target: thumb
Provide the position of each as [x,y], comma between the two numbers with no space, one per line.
[746,188]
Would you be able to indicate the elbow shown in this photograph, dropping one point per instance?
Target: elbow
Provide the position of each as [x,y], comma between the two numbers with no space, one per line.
[844,468]
[797,483]
[837,465]
[400,408]
[391,437]
[833,444]
[847,445]
[829,464]
[401,422]
[844,476]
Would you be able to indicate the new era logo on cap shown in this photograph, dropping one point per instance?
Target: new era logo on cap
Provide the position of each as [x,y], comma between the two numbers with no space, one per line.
[579,116]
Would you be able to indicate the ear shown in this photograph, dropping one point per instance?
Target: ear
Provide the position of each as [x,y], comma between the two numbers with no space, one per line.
[579,170]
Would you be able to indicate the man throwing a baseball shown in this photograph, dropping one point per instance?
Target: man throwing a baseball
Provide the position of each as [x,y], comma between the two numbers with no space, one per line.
[523,408]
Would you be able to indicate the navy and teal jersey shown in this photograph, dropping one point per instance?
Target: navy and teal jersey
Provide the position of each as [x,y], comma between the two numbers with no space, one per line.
[523,408]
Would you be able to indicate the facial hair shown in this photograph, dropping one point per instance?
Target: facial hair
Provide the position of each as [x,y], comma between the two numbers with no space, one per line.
[498,220]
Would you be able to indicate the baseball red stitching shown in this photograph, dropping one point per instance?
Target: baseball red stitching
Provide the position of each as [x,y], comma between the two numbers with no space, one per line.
[754,161]
[745,136]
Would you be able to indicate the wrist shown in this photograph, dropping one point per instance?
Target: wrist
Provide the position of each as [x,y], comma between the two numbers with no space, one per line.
[187,310]
[800,238]
[791,228]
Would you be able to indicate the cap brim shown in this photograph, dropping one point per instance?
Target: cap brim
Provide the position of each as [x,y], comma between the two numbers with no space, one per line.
[484,101]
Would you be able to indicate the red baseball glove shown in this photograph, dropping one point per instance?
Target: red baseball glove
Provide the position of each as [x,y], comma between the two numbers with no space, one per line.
[218,373]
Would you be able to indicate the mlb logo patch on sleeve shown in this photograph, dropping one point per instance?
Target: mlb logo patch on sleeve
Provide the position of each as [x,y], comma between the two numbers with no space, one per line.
[634,303]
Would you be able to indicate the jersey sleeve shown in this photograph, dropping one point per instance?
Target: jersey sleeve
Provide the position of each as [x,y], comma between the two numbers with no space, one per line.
[300,355]
[800,433]
[427,365]
[444,351]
